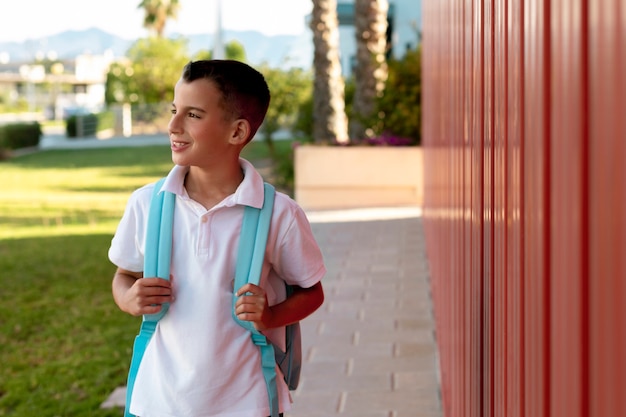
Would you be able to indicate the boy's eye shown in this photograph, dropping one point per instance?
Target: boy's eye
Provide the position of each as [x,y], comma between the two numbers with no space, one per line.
[189,114]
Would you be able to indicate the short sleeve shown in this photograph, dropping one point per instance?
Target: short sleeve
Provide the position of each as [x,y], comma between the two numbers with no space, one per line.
[126,250]
[298,260]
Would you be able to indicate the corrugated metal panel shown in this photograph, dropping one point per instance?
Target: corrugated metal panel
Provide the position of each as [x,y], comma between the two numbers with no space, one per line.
[536,211]
[607,205]
[500,189]
[515,398]
[568,205]
[525,205]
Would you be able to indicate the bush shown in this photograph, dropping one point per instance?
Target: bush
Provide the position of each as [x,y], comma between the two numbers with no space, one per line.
[89,125]
[397,120]
[106,120]
[20,135]
[303,126]
[399,109]
[284,173]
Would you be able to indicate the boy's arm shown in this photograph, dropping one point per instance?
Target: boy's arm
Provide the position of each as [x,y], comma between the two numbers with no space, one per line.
[300,304]
[136,295]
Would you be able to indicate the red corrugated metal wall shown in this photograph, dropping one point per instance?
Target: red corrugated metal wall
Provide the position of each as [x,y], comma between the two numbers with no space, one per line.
[524,117]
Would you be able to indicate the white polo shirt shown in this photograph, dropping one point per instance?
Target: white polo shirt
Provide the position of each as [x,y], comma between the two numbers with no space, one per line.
[200,362]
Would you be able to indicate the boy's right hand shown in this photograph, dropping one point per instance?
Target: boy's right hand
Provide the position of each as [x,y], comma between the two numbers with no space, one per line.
[138,296]
[147,295]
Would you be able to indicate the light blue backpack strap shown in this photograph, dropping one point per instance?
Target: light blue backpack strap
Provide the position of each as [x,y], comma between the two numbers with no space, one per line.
[157,256]
[158,250]
[263,228]
[252,242]
[139,347]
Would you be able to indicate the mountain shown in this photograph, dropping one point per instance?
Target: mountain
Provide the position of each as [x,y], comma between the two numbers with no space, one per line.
[66,45]
[277,51]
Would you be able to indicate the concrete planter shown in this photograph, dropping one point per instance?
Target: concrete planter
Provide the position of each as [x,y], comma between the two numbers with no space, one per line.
[335,177]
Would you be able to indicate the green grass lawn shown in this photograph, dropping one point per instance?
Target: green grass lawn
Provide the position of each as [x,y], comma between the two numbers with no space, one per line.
[64,345]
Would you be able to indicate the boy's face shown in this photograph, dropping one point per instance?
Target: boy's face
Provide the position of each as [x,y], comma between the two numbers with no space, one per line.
[200,132]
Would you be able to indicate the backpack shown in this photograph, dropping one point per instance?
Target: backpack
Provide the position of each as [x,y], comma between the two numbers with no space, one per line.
[252,242]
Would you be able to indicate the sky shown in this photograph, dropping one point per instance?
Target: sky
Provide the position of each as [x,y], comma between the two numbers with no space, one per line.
[26,19]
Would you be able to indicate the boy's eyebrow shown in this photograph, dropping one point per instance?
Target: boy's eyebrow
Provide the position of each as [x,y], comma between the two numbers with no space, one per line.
[191,108]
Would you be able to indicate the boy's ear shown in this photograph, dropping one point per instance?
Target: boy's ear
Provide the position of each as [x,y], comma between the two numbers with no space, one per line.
[241,131]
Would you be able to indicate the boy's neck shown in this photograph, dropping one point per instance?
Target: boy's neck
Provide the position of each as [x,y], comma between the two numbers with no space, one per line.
[210,187]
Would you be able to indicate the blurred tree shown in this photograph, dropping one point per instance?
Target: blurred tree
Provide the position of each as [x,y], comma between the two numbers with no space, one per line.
[289,88]
[370,72]
[233,50]
[330,121]
[302,128]
[148,75]
[157,12]
[151,68]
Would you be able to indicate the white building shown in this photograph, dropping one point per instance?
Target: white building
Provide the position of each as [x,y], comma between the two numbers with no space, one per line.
[405,25]
[71,86]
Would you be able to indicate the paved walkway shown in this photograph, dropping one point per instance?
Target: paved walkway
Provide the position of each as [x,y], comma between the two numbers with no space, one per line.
[370,349]
[60,141]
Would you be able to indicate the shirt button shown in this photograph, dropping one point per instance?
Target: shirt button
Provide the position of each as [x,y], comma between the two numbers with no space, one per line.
[204,220]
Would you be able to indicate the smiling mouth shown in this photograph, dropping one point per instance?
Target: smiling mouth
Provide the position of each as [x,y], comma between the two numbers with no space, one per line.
[178,144]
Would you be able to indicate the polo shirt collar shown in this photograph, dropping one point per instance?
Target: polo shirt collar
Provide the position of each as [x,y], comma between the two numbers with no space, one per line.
[248,193]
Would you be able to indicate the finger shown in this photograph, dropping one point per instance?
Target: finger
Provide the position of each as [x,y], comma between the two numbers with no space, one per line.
[155,292]
[151,309]
[242,305]
[157,300]
[154,282]
[250,288]
[248,316]
[139,308]
[253,301]
[255,319]
[152,287]
[249,307]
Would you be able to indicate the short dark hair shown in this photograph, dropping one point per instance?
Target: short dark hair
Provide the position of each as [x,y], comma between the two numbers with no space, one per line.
[245,94]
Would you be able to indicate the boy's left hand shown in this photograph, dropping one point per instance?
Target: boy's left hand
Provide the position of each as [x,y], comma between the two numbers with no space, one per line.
[252,306]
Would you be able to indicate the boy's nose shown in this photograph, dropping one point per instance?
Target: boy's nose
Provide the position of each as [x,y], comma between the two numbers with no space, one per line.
[174,125]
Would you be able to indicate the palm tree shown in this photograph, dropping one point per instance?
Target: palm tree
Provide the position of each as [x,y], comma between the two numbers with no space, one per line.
[330,121]
[370,72]
[156,14]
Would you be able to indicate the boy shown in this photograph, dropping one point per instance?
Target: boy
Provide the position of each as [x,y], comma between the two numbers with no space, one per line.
[200,362]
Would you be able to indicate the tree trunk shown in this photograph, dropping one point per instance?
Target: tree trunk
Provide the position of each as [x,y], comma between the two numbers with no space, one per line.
[371,68]
[330,121]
